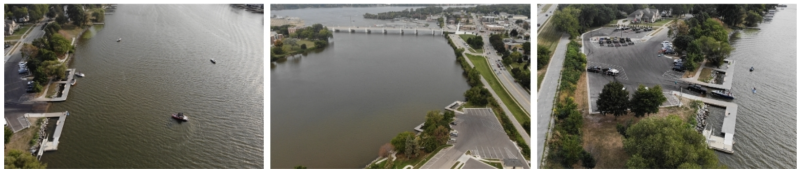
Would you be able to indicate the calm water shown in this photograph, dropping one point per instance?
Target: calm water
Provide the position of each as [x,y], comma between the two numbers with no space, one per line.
[766,125]
[120,110]
[335,108]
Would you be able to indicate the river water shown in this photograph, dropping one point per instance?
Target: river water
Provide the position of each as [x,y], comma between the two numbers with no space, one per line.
[336,107]
[766,125]
[120,112]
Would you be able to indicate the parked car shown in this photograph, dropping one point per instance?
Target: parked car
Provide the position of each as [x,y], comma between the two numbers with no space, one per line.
[678,68]
[676,61]
[697,88]
[29,87]
[595,69]
[612,72]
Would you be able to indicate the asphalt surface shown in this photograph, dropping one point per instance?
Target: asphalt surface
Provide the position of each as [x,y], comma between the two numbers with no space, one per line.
[541,16]
[16,96]
[547,94]
[475,164]
[516,90]
[479,132]
[638,64]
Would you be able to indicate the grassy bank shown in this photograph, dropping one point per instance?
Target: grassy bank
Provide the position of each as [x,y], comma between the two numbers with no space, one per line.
[482,66]
[18,33]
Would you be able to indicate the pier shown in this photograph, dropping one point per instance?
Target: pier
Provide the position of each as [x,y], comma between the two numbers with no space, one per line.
[723,144]
[65,92]
[727,69]
[454,107]
[50,145]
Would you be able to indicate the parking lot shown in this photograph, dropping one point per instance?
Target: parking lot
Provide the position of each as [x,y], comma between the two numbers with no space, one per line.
[479,132]
[637,64]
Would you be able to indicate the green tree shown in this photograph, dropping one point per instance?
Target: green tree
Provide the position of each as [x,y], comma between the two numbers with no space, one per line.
[277,50]
[570,149]
[59,44]
[715,51]
[527,48]
[752,19]
[613,100]
[8,134]
[542,56]
[61,19]
[667,143]
[76,14]
[477,96]
[399,141]
[566,20]
[19,12]
[474,78]
[290,41]
[513,33]
[303,47]
[732,14]
[20,160]
[565,108]
[646,100]
[409,152]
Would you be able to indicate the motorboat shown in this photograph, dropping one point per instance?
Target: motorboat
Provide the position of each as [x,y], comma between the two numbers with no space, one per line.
[754,90]
[79,74]
[213,61]
[724,94]
[751,69]
[120,39]
[73,82]
[180,116]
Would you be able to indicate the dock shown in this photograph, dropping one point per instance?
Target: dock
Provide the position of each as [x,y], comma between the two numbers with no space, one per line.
[727,69]
[64,93]
[454,106]
[50,145]
[723,144]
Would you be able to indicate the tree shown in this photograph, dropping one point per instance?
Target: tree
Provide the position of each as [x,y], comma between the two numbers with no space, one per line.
[732,14]
[320,43]
[613,99]
[588,160]
[99,15]
[570,149]
[715,51]
[667,143]
[527,48]
[19,12]
[59,44]
[752,19]
[61,19]
[8,134]
[473,77]
[542,56]
[566,20]
[564,109]
[19,160]
[441,134]
[477,96]
[277,50]
[399,141]
[290,41]
[77,15]
[513,33]
[303,47]
[646,101]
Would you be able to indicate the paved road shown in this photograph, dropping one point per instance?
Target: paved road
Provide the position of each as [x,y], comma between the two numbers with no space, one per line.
[547,95]
[516,90]
[15,95]
[541,16]
[514,121]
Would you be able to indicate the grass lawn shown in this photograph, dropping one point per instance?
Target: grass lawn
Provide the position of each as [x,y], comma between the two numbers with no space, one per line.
[482,66]
[705,74]
[290,50]
[659,23]
[546,6]
[52,90]
[69,31]
[18,33]
[21,140]
[549,37]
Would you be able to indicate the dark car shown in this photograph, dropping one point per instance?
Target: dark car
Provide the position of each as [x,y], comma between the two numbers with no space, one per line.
[697,88]
[29,88]
[624,43]
[628,39]
[7,45]
[678,68]
[596,69]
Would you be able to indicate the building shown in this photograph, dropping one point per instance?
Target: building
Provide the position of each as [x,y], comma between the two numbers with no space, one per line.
[10,26]
[274,36]
[488,18]
[517,17]
[468,27]
[292,30]
[495,28]
[644,15]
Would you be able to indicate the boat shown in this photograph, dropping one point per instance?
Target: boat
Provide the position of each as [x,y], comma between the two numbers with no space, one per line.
[213,61]
[79,74]
[751,69]
[724,94]
[73,82]
[180,116]
[120,39]
[754,90]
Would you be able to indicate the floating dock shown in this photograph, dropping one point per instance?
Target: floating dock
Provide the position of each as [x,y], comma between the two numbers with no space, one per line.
[50,145]
[724,144]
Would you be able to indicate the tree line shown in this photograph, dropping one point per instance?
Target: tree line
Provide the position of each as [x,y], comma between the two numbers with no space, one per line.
[419,13]
[316,33]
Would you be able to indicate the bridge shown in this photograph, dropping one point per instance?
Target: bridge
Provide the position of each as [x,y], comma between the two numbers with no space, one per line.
[387,30]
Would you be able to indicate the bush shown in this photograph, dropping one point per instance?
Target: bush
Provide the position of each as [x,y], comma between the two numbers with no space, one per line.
[303,47]
[277,50]
[588,160]
[8,135]
[542,56]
